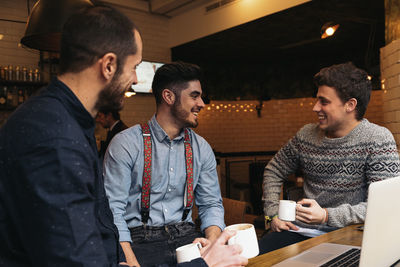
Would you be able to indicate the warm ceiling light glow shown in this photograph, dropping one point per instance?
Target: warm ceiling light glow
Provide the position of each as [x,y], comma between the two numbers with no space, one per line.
[1,36]
[328,29]
[130,92]
[369,77]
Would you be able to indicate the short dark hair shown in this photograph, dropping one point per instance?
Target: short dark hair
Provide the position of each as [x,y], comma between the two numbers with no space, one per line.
[93,32]
[114,113]
[349,82]
[174,76]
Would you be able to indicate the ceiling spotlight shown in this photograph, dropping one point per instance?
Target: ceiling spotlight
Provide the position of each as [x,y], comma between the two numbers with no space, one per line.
[328,29]
[130,92]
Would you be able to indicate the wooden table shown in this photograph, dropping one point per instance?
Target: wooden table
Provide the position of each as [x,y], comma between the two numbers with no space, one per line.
[348,236]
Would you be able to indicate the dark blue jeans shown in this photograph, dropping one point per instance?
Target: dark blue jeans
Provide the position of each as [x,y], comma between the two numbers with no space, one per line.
[156,245]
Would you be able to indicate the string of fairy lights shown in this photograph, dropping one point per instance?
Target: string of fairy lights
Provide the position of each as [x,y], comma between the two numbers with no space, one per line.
[243,107]
[231,107]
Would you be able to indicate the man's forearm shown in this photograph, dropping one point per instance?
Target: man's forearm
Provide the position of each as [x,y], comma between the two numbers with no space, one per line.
[212,232]
[129,255]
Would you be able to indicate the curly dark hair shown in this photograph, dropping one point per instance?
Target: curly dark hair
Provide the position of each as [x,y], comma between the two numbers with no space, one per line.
[349,82]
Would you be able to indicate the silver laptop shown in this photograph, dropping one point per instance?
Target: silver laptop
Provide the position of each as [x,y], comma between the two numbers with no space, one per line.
[381,236]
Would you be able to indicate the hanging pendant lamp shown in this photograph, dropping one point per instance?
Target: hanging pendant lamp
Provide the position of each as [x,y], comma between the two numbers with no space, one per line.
[44,25]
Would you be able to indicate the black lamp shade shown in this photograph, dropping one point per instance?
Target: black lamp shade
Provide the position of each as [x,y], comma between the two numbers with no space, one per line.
[43,29]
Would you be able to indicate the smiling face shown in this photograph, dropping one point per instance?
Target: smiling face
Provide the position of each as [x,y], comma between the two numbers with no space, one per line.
[188,105]
[113,93]
[335,117]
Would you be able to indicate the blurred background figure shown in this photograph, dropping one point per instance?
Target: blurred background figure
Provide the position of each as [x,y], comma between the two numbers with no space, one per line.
[109,119]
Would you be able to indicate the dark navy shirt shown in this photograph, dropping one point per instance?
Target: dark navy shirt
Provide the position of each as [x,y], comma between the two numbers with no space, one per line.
[53,208]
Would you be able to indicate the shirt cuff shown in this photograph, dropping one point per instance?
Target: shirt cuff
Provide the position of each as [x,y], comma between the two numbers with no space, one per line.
[124,236]
[209,223]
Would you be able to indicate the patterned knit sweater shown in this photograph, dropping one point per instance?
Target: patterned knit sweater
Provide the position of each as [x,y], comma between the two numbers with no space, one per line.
[337,172]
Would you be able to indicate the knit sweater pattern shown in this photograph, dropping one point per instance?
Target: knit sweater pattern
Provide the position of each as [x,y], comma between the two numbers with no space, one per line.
[336,172]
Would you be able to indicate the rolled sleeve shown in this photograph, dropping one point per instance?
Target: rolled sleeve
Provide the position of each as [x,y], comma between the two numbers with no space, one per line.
[208,193]
[117,167]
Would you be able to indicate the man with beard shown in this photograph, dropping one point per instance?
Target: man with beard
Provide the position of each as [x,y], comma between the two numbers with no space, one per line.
[53,206]
[339,157]
[153,173]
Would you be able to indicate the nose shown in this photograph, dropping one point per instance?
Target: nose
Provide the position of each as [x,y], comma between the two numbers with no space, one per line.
[317,107]
[200,103]
[134,78]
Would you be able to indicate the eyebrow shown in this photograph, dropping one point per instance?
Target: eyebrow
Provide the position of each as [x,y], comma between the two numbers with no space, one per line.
[323,98]
[195,93]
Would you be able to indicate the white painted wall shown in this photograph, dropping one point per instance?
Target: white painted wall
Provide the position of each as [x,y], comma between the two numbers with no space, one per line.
[10,52]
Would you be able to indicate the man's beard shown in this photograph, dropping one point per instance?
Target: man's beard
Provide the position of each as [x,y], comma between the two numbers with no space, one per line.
[182,116]
[112,96]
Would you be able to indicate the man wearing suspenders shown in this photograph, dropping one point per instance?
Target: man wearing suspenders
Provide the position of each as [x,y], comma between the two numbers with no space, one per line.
[154,173]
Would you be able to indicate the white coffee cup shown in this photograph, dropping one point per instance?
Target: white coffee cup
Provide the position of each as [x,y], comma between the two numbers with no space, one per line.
[188,252]
[245,237]
[287,210]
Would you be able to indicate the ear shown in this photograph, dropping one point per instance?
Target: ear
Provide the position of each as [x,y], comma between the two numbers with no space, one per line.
[168,96]
[108,66]
[351,105]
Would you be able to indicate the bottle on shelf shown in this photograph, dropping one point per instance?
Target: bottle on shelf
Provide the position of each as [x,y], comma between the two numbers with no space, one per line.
[20,96]
[37,76]
[2,73]
[10,98]
[30,75]
[24,74]
[17,74]
[3,96]
[6,73]
[10,73]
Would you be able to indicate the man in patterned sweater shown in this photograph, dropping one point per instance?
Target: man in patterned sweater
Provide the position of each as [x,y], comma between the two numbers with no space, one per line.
[339,156]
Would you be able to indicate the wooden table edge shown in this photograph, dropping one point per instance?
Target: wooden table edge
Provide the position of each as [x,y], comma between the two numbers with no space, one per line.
[348,235]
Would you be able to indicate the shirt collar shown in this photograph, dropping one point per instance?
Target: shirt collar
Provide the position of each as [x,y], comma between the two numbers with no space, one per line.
[159,132]
[112,126]
[73,105]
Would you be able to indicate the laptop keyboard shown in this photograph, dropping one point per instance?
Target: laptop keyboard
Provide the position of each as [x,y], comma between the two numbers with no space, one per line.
[348,259]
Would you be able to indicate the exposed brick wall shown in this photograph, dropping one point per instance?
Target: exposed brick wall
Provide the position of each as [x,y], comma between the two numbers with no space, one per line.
[390,74]
[230,131]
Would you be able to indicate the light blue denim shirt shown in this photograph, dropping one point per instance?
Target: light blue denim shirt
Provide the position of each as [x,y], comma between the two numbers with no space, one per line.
[123,172]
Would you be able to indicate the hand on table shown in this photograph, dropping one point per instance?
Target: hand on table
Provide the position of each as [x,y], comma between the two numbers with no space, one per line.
[278,225]
[309,211]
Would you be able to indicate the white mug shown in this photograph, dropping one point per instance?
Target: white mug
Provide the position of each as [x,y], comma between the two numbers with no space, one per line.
[245,237]
[188,252]
[287,210]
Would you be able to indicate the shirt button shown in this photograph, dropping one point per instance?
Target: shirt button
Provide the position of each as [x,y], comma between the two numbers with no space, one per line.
[166,210]
[169,189]
[171,169]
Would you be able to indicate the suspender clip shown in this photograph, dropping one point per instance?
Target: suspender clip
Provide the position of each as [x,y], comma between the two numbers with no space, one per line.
[185,213]
[145,213]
